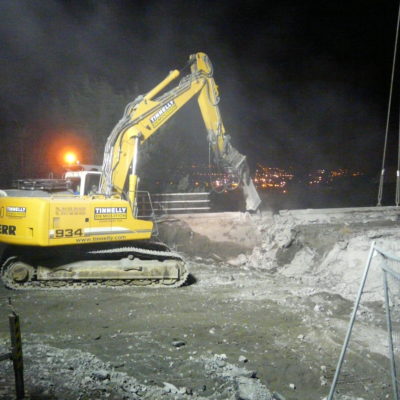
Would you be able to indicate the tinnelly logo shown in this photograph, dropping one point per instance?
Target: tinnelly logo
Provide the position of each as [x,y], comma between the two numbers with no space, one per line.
[110,212]
[162,114]
[16,211]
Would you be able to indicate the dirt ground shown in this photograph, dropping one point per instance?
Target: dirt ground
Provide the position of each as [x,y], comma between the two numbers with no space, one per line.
[257,320]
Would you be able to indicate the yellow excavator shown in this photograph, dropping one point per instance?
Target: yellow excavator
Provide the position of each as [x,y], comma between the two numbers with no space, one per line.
[70,241]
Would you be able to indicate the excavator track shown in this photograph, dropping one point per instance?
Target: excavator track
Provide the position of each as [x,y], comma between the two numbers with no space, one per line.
[18,275]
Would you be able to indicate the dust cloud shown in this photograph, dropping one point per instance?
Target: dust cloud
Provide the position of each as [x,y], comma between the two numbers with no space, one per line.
[293,90]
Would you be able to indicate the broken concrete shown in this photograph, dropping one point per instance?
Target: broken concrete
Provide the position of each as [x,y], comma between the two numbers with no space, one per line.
[275,291]
[328,249]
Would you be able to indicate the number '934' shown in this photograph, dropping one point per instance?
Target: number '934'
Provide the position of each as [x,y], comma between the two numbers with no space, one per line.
[61,233]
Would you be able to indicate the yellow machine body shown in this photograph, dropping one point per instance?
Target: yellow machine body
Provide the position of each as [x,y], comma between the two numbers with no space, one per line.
[57,221]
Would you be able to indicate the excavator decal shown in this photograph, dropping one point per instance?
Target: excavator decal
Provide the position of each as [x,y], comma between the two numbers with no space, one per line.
[70,210]
[16,212]
[8,230]
[110,213]
[163,113]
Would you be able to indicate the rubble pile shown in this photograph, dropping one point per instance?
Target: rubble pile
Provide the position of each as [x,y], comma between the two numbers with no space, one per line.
[240,383]
[325,254]
[72,374]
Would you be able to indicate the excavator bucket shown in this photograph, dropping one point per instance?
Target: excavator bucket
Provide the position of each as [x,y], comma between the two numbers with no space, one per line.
[231,160]
[251,196]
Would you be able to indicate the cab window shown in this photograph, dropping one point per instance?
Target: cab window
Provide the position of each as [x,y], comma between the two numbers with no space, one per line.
[92,184]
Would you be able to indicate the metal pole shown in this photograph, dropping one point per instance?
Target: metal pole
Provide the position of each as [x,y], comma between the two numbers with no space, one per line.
[353,317]
[16,351]
[390,337]
[136,142]
[380,190]
[133,179]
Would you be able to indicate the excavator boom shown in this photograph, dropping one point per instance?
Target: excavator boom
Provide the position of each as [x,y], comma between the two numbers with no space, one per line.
[147,113]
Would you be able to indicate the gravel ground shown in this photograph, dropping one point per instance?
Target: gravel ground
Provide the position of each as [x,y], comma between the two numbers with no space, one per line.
[251,327]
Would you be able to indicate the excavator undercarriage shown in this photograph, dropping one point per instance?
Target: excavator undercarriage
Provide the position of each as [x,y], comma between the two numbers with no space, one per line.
[150,264]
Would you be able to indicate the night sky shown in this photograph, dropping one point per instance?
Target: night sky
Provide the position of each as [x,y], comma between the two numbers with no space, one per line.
[302,83]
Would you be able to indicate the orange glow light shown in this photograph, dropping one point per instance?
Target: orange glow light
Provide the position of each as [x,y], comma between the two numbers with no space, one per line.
[70,157]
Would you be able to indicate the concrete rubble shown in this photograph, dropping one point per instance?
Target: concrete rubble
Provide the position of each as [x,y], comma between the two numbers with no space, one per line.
[327,250]
[293,271]
[72,374]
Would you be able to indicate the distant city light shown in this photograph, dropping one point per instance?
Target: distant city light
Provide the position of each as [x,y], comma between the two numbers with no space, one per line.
[273,179]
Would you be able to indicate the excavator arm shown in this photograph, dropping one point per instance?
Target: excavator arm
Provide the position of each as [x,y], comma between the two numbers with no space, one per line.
[146,114]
